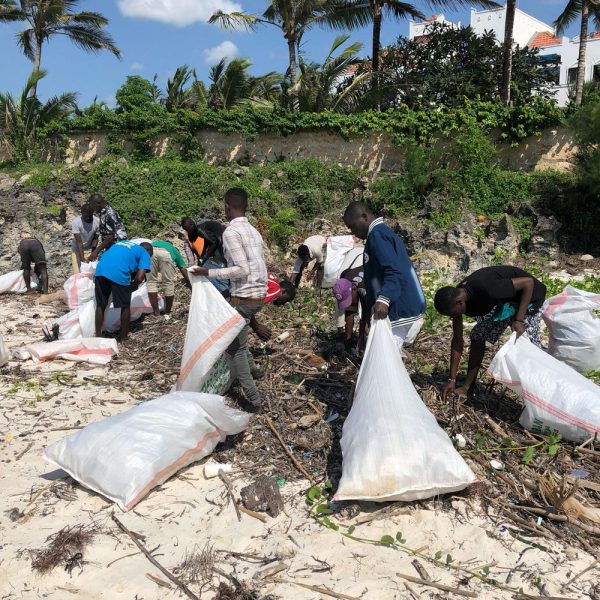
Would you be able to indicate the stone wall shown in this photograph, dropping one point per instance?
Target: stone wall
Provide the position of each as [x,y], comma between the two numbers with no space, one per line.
[553,149]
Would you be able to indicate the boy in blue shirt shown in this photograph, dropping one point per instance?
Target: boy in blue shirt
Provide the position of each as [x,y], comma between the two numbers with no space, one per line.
[113,276]
[392,285]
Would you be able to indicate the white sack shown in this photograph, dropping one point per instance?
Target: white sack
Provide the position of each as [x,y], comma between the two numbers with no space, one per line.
[337,248]
[13,282]
[81,321]
[124,456]
[392,446]
[94,350]
[79,289]
[3,352]
[557,398]
[574,328]
[212,325]
[88,267]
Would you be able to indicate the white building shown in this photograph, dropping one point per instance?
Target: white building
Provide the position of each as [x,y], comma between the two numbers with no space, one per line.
[420,30]
[529,31]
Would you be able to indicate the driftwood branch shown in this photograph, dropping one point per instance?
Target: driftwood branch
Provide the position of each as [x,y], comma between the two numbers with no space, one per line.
[184,588]
[227,482]
[437,586]
[285,449]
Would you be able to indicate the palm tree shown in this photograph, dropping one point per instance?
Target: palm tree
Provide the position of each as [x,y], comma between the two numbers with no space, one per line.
[573,8]
[329,86]
[511,7]
[230,83]
[47,18]
[21,118]
[292,17]
[178,95]
[353,14]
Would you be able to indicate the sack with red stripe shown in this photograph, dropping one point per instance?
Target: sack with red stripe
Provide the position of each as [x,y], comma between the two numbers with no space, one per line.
[212,325]
[557,398]
[79,289]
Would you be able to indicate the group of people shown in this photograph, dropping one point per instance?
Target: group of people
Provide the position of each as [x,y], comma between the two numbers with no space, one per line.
[377,280]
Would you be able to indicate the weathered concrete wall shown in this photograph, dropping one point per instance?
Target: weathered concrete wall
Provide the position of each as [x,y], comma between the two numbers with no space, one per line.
[553,149]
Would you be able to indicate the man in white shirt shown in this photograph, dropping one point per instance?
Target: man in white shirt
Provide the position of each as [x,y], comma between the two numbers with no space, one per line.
[313,248]
[247,273]
[85,236]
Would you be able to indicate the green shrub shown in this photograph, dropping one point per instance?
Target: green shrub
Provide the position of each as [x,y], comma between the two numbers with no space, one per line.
[281,227]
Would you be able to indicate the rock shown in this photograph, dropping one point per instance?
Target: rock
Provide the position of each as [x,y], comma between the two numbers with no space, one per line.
[122,162]
[586,257]
[263,495]
[6,182]
[24,179]
[544,232]
[240,171]
[266,184]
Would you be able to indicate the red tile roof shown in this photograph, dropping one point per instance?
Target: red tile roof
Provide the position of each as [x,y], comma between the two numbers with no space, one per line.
[542,39]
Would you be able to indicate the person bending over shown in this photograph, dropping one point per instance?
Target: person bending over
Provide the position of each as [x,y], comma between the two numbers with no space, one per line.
[350,294]
[165,260]
[31,251]
[313,248]
[122,261]
[497,297]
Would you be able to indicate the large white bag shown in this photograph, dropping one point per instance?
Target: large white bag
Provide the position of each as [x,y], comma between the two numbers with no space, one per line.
[557,398]
[140,305]
[3,352]
[14,283]
[125,456]
[94,350]
[337,248]
[212,325]
[574,328]
[392,446]
[79,289]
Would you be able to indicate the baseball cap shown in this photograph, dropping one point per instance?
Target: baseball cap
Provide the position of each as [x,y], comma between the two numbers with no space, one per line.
[342,290]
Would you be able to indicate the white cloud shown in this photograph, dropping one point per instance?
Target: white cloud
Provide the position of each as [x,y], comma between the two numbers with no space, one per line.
[176,12]
[137,67]
[225,49]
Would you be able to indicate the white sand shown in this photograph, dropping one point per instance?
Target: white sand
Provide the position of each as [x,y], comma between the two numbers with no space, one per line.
[189,511]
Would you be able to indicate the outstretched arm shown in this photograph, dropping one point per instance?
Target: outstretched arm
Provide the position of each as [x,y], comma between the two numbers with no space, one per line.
[524,285]
[456,350]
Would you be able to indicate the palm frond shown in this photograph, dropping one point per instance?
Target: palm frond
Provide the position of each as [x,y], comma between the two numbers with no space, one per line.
[94,19]
[350,15]
[569,15]
[89,38]
[234,20]
[453,4]
[25,41]
[401,10]
[10,13]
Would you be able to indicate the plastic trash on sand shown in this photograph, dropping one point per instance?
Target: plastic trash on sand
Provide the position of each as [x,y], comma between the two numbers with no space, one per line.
[574,328]
[557,398]
[212,325]
[392,446]
[124,456]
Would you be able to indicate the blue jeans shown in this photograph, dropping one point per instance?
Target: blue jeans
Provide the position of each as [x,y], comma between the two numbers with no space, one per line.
[220,284]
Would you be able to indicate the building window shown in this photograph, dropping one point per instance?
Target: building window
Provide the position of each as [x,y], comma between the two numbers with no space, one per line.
[572,76]
[596,73]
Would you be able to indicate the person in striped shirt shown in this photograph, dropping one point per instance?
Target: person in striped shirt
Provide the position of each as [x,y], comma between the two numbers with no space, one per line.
[247,274]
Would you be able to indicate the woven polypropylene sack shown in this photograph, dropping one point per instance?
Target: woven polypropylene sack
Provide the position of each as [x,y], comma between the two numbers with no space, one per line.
[94,350]
[557,398]
[14,283]
[574,328]
[393,448]
[79,289]
[337,248]
[123,457]
[212,325]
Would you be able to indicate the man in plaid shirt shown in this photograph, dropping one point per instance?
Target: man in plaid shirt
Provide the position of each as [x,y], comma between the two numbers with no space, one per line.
[111,227]
[247,273]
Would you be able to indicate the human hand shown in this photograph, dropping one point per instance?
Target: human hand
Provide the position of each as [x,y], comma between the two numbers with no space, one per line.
[263,332]
[448,388]
[462,391]
[380,310]
[198,271]
[518,327]
[93,256]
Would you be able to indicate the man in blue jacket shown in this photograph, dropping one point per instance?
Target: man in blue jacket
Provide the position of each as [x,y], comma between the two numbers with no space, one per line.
[392,285]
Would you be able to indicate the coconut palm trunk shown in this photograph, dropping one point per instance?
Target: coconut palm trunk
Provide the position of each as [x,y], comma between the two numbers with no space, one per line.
[293,72]
[511,6]
[376,44]
[583,35]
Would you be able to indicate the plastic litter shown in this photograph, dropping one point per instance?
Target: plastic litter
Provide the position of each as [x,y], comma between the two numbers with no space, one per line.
[125,456]
[98,351]
[14,283]
[496,465]
[574,328]
[212,469]
[557,398]
[393,448]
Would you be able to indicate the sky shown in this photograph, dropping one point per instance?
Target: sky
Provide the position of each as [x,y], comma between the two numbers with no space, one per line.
[157,36]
